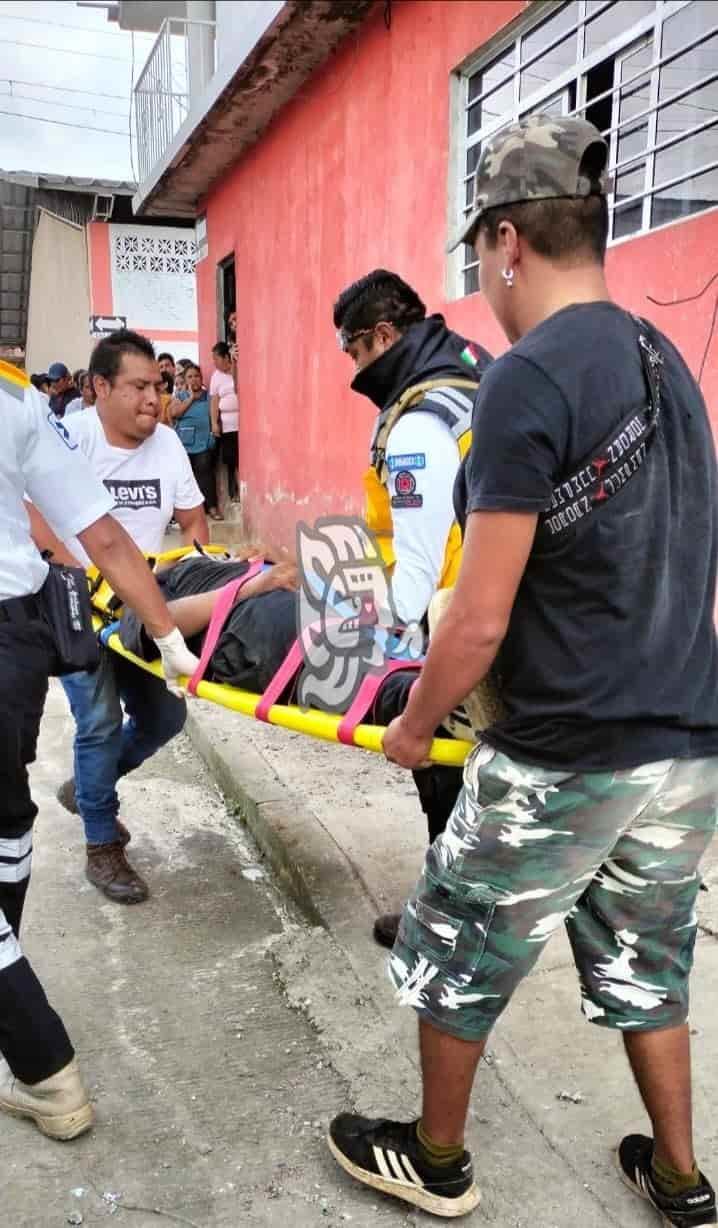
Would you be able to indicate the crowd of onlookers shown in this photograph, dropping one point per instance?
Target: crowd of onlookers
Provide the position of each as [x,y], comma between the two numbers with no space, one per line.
[205,417]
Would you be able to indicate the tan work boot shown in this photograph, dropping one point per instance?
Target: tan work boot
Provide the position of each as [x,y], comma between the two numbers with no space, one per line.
[58,1105]
[108,868]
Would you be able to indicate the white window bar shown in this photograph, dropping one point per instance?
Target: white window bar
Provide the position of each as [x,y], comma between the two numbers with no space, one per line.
[566,92]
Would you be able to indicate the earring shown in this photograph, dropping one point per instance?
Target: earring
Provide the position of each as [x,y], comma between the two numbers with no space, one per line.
[508,276]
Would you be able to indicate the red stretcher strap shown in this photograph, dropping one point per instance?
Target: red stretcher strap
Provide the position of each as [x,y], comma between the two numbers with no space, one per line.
[220,614]
[365,696]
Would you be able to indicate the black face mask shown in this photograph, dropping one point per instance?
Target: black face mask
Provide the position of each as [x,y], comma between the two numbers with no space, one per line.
[374,380]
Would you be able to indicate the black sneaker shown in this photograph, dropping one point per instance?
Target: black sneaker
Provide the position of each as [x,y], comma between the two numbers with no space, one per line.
[691,1209]
[387,1156]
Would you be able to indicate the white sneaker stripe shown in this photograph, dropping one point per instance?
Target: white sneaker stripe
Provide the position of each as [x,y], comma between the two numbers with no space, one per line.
[381,1162]
[413,1174]
[396,1168]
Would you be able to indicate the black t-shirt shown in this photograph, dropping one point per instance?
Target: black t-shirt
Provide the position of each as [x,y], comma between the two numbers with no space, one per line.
[610,658]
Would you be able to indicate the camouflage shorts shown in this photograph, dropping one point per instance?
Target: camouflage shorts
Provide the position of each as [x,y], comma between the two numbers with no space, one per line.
[614,855]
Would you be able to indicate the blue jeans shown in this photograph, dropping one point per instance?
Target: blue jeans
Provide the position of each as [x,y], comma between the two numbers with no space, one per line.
[105,747]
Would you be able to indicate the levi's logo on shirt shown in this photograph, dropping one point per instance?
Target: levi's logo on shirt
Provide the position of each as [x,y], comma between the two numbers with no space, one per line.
[135,494]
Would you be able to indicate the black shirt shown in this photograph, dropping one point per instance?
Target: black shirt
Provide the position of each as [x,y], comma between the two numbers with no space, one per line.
[610,657]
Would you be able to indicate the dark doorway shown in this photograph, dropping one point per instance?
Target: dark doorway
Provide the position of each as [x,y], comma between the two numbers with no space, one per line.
[226,297]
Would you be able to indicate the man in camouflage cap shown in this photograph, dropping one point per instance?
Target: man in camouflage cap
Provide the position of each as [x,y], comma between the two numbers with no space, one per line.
[588,577]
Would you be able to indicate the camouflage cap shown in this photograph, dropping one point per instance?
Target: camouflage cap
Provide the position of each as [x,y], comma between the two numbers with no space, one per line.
[538,158]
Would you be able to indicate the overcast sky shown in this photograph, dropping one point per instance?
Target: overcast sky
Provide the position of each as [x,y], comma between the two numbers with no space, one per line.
[77,50]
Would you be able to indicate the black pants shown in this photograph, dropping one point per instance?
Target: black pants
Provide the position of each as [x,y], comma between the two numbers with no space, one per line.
[33,1039]
[438,787]
[230,459]
[203,464]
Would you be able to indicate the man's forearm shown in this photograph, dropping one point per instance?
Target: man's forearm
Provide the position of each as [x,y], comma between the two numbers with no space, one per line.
[120,561]
[196,531]
[460,655]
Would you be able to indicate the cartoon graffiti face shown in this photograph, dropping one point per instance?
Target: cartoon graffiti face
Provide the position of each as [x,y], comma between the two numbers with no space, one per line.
[346,613]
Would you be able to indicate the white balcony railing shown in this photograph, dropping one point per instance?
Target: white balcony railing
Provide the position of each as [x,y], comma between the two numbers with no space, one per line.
[180,64]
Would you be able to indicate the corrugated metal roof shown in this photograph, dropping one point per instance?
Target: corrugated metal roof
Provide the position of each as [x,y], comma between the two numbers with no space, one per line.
[69,183]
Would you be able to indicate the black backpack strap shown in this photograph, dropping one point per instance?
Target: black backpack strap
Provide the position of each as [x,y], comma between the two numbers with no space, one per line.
[614,461]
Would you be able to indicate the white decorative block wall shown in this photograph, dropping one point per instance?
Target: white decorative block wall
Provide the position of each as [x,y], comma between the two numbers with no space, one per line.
[153,282]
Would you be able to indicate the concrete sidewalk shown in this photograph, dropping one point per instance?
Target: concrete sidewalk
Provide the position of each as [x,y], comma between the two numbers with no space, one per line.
[343,830]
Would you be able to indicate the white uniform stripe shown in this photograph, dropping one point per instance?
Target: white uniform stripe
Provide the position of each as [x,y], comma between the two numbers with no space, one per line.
[16,847]
[455,394]
[411,1170]
[460,405]
[15,872]
[453,410]
[381,1162]
[10,951]
[396,1166]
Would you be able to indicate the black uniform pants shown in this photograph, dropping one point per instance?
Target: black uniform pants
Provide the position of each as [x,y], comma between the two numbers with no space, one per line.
[33,1039]
[438,787]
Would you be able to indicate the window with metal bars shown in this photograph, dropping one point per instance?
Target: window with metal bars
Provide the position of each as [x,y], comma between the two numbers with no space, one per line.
[644,71]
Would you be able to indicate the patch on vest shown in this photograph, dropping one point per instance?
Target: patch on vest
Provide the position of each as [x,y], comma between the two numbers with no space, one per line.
[135,495]
[410,460]
[404,483]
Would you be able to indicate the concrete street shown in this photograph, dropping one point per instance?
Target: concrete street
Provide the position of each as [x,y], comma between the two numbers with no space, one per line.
[222,1024]
[212,1091]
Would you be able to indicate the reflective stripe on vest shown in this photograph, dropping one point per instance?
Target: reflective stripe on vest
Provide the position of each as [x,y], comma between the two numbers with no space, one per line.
[13,381]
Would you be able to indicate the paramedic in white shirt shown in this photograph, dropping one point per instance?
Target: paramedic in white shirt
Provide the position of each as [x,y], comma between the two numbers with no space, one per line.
[145,469]
[39,1077]
[382,325]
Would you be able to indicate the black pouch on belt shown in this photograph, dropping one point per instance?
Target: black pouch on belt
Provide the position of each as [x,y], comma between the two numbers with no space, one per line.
[65,600]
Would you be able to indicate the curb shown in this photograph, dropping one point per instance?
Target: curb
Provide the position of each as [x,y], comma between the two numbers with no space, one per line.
[305,857]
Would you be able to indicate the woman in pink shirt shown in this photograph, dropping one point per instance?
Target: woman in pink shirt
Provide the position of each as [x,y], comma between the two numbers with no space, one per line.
[224,408]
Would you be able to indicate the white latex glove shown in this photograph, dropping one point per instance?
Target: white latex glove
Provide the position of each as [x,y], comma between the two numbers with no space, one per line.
[176,659]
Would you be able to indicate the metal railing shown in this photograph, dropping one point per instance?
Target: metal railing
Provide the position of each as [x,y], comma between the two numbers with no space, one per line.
[180,64]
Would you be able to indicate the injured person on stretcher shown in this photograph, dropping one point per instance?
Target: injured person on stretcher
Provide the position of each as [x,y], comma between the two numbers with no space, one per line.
[258,633]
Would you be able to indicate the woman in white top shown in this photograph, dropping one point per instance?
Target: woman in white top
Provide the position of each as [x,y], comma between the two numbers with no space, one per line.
[224,409]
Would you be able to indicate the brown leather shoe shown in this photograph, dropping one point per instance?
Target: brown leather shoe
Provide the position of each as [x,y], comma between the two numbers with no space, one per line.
[386,928]
[108,868]
[67,797]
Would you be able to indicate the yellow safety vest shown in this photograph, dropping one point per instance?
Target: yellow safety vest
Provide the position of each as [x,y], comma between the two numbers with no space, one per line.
[457,416]
[13,380]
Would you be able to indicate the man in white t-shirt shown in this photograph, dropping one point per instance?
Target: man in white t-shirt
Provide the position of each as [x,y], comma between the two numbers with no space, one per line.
[144,467]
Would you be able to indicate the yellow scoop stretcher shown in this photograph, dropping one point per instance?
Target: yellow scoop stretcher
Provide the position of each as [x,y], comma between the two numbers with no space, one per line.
[449,752]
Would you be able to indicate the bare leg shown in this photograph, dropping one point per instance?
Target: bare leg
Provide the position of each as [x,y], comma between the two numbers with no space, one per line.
[661,1064]
[448,1067]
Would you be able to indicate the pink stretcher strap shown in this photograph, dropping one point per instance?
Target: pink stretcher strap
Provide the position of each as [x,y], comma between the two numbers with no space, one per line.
[287,671]
[365,696]
[290,666]
[220,614]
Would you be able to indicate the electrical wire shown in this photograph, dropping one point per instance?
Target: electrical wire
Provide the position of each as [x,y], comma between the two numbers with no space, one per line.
[691,298]
[69,89]
[129,117]
[60,25]
[68,106]
[95,55]
[42,119]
